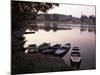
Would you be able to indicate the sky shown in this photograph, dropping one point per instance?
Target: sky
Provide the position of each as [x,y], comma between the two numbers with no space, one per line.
[74,10]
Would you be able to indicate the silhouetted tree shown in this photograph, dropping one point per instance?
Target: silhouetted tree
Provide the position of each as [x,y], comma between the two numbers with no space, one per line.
[21,9]
[83,17]
[93,18]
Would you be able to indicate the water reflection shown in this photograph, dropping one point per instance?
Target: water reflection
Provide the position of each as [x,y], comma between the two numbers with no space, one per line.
[82,36]
[88,28]
[75,65]
[47,27]
[92,29]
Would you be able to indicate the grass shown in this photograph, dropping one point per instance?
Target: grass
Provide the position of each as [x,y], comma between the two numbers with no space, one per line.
[36,63]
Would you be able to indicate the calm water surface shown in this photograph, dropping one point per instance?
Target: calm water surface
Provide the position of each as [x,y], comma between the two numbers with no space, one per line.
[83,37]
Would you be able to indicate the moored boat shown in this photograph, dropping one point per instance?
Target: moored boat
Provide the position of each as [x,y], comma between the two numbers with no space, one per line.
[75,49]
[48,51]
[43,46]
[31,48]
[56,46]
[51,49]
[29,32]
[75,55]
[63,50]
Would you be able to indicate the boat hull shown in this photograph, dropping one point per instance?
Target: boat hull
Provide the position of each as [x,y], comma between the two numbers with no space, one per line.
[63,53]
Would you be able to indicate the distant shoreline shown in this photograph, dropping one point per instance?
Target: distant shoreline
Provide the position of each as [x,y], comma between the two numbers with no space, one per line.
[58,22]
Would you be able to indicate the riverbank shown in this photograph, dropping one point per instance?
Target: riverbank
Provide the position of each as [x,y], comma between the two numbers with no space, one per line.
[36,63]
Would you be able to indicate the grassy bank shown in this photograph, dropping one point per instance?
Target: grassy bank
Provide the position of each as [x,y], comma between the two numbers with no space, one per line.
[37,62]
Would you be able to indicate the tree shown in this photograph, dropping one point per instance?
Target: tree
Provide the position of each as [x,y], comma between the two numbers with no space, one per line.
[84,18]
[22,9]
[93,18]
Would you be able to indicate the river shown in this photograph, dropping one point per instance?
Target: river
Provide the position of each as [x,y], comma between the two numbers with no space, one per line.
[83,36]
